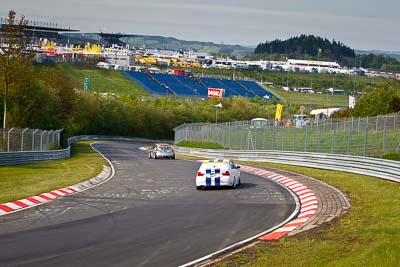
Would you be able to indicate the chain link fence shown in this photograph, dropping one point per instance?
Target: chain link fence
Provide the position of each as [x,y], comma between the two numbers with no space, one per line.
[351,136]
[16,139]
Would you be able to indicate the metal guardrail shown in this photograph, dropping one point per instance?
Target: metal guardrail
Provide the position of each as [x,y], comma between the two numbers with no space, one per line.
[15,158]
[385,169]
[375,167]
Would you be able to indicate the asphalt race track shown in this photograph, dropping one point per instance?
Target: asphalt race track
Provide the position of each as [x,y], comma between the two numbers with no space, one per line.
[149,214]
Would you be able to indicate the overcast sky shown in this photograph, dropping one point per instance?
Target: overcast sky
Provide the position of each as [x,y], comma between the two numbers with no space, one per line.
[367,24]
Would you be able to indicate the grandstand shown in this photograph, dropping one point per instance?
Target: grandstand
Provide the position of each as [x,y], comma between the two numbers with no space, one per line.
[37,30]
[166,84]
[258,90]
[147,83]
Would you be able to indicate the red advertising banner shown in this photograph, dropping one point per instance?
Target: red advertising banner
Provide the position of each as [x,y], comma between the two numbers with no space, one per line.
[215,92]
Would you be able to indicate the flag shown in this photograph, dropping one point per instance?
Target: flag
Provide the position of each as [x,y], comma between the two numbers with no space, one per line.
[278,113]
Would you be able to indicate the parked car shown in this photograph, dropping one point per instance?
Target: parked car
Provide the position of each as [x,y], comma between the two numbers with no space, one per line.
[298,121]
[162,151]
[216,173]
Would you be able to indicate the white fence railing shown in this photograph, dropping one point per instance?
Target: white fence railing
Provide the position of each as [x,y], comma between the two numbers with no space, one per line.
[375,167]
[352,136]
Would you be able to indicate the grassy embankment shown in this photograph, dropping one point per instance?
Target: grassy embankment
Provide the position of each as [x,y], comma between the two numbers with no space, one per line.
[311,101]
[367,236]
[111,81]
[103,81]
[20,181]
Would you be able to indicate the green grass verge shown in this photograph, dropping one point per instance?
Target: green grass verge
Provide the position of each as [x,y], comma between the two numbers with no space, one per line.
[367,236]
[392,156]
[21,181]
[103,81]
[199,144]
[310,99]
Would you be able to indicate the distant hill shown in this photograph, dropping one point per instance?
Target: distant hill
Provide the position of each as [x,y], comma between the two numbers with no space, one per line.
[313,48]
[307,46]
[393,54]
[170,43]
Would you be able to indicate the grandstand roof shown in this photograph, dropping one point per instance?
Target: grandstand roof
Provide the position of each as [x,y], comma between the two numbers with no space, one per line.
[42,30]
[108,39]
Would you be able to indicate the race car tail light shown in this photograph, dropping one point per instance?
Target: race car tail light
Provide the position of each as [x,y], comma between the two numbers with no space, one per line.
[226,173]
[200,174]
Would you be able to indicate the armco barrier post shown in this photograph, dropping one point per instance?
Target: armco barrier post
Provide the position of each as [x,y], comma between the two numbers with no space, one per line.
[294,139]
[352,124]
[318,141]
[273,138]
[306,141]
[365,139]
[58,137]
[8,139]
[333,141]
[22,138]
[41,140]
[384,135]
[241,137]
[33,139]
[348,142]
[48,139]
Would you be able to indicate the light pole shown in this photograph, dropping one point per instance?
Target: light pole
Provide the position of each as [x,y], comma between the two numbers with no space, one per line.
[217,107]
[270,50]
[287,79]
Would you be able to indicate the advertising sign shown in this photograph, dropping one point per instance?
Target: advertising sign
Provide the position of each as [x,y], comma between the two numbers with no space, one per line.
[215,92]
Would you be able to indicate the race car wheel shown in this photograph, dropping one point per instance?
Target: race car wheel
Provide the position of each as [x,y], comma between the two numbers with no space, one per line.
[233,183]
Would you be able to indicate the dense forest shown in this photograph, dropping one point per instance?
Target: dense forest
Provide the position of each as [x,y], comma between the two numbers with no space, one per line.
[312,47]
[307,45]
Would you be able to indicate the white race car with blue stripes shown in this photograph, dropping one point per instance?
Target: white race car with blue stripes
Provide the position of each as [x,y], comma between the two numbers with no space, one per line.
[218,172]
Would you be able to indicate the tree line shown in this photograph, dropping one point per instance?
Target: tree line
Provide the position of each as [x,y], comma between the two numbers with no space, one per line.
[306,45]
[312,47]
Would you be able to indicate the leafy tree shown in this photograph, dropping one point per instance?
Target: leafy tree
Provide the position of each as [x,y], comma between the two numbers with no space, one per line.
[13,57]
[307,45]
[385,99]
